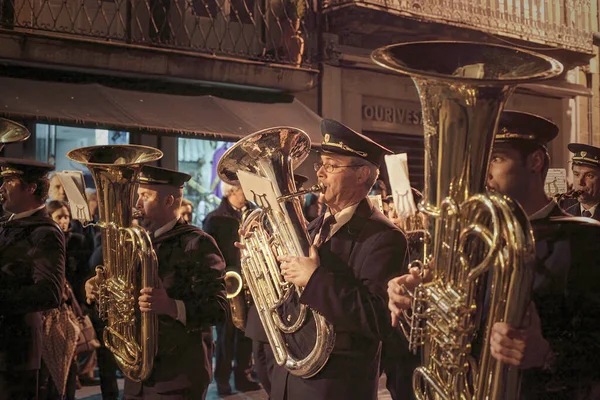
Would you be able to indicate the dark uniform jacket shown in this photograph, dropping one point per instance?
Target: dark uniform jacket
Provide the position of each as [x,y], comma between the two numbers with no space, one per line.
[190,266]
[349,290]
[32,275]
[575,209]
[223,224]
[567,296]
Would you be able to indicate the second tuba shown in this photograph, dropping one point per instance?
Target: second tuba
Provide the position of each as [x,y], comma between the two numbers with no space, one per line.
[480,245]
[129,260]
[274,231]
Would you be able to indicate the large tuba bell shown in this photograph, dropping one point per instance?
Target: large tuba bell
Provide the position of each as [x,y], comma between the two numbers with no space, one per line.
[273,154]
[481,246]
[129,260]
[12,132]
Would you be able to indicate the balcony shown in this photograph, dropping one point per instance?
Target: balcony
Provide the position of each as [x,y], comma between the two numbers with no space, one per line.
[563,26]
[257,43]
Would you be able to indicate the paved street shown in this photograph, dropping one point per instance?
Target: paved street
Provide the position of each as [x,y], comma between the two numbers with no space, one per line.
[93,393]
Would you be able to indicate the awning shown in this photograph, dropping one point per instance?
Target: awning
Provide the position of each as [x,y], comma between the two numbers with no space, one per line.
[97,105]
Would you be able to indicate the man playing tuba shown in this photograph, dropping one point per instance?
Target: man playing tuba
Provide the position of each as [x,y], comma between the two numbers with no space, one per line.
[356,249]
[190,297]
[559,346]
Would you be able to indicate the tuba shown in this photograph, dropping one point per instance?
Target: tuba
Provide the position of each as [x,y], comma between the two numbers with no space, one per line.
[129,259]
[273,231]
[480,245]
[11,132]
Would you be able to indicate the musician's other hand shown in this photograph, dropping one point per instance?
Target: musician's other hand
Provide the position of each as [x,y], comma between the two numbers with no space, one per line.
[298,270]
[91,289]
[399,300]
[240,245]
[157,301]
[523,348]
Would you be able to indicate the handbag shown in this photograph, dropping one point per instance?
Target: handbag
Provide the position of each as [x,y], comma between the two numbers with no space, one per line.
[87,340]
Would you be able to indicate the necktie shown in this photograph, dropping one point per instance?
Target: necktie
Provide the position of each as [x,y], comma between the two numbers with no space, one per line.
[325,230]
[586,213]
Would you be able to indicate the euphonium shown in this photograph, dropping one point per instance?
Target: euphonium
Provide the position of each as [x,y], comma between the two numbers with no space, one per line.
[129,260]
[273,231]
[482,248]
[234,286]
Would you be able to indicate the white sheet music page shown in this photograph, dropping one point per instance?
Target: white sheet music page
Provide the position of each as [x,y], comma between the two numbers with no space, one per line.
[397,167]
[258,190]
[556,181]
[74,186]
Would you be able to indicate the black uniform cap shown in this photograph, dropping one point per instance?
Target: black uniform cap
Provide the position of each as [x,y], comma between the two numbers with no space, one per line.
[516,126]
[340,139]
[162,176]
[300,180]
[584,154]
[26,169]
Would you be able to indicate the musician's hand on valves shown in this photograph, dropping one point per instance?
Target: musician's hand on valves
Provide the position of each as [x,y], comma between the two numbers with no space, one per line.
[523,348]
[240,245]
[298,270]
[157,301]
[399,300]
[91,289]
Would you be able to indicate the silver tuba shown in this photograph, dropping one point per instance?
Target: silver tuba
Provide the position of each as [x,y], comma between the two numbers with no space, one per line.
[481,247]
[129,259]
[274,231]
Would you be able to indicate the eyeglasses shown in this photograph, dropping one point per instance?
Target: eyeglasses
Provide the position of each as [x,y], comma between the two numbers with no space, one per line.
[331,168]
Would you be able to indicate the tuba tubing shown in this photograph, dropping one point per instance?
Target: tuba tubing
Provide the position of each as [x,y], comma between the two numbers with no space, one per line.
[129,261]
[274,230]
[482,249]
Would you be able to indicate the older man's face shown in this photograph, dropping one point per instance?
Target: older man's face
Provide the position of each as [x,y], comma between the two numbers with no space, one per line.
[342,183]
[14,193]
[56,190]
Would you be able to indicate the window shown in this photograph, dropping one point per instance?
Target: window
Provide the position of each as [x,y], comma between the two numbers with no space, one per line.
[199,158]
[53,142]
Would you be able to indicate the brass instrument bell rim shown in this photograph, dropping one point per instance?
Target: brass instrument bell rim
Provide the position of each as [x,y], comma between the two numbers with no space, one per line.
[298,159]
[5,139]
[238,278]
[149,157]
[382,57]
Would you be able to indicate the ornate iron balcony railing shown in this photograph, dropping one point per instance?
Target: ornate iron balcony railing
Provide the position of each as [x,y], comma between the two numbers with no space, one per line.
[277,31]
[560,23]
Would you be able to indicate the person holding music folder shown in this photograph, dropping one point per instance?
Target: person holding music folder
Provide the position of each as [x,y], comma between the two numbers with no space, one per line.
[356,249]
[586,178]
[32,274]
[560,344]
[223,224]
[190,296]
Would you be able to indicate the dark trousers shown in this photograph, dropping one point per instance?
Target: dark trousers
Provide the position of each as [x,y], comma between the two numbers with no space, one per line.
[264,363]
[18,385]
[107,366]
[232,344]
[48,389]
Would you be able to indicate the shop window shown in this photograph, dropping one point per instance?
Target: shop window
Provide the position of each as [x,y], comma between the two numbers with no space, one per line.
[53,142]
[199,158]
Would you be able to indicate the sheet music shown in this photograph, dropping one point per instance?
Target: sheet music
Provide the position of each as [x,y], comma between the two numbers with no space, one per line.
[377,202]
[397,167]
[74,186]
[556,181]
[258,190]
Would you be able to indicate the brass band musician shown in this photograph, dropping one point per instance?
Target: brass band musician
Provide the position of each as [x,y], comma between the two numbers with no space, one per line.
[356,249]
[586,178]
[558,349]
